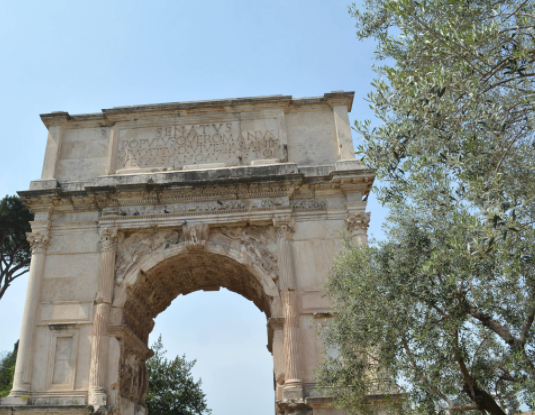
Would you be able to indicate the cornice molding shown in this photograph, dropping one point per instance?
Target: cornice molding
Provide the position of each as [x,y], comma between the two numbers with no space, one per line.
[109,116]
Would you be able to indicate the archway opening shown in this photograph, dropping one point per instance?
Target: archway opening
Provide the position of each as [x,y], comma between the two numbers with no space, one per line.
[181,275]
[190,271]
[226,335]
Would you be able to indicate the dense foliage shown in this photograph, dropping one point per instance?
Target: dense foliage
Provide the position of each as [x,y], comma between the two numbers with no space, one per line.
[7,371]
[15,250]
[172,389]
[444,307]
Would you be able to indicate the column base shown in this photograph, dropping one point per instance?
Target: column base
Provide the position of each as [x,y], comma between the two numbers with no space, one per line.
[292,408]
[98,396]
[293,390]
[15,400]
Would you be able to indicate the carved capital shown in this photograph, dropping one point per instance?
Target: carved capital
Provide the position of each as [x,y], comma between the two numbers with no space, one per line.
[285,228]
[358,222]
[108,239]
[39,241]
[195,234]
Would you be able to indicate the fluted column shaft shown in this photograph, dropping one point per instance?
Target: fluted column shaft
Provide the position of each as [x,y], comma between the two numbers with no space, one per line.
[100,339]
[289,296]
[291,338]
[39,242]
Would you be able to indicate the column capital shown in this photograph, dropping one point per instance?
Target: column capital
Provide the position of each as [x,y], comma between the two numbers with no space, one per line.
[285,228]
[358,223]
[108,238]
[39,241]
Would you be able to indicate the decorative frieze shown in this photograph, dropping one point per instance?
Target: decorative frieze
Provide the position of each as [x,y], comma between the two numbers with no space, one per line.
[142,211]
[177,208]
[312,204]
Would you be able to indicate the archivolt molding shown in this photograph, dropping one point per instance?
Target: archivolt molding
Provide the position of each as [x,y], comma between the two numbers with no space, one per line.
[250,245]
[139,252]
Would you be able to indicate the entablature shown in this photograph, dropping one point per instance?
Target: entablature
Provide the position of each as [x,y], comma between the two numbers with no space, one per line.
[240,191]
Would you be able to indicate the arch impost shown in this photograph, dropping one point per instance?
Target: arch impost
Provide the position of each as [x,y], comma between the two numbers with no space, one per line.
[108,238]
[276,323]
[121,331]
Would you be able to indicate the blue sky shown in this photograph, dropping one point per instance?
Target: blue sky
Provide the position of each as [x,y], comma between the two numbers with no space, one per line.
[87,55]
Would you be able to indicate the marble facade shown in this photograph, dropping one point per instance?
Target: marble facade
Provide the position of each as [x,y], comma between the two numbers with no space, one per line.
[138,205]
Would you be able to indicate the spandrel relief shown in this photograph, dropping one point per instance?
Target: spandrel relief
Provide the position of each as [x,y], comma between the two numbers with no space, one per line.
[133,247]
[258,242]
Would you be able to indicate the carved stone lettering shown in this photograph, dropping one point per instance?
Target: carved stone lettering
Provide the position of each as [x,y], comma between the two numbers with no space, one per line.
[171,147]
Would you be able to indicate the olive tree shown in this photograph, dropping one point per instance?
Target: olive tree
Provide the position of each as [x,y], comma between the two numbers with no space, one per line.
[442,310]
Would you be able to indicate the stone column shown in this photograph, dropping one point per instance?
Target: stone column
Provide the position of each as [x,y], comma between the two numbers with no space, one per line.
[293,387]
[39,242]
[100,339]
[357,224]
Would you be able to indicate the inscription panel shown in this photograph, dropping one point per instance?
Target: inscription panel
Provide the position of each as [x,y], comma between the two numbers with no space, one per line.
[170,147]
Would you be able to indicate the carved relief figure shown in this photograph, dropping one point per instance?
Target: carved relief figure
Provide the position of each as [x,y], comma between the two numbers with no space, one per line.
[196,234]
[193,235]
[258,243]
[134,382]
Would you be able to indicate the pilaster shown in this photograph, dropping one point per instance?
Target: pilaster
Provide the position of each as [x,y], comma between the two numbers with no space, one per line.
[293,386]
[100,338]
[39,241]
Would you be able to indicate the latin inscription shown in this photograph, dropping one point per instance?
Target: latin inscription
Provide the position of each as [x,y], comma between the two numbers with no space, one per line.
[233,143]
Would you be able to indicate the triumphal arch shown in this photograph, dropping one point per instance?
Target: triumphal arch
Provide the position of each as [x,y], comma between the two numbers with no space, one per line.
[138,205]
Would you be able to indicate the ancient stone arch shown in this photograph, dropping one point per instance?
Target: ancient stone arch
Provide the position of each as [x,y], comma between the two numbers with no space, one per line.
[138,205]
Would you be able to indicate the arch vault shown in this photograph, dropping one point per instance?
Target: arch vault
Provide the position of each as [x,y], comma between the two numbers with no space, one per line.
[138,205]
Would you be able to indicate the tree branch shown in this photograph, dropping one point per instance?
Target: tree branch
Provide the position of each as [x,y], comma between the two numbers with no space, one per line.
[467,407]
[528,322]
[423,377]
[497,328]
